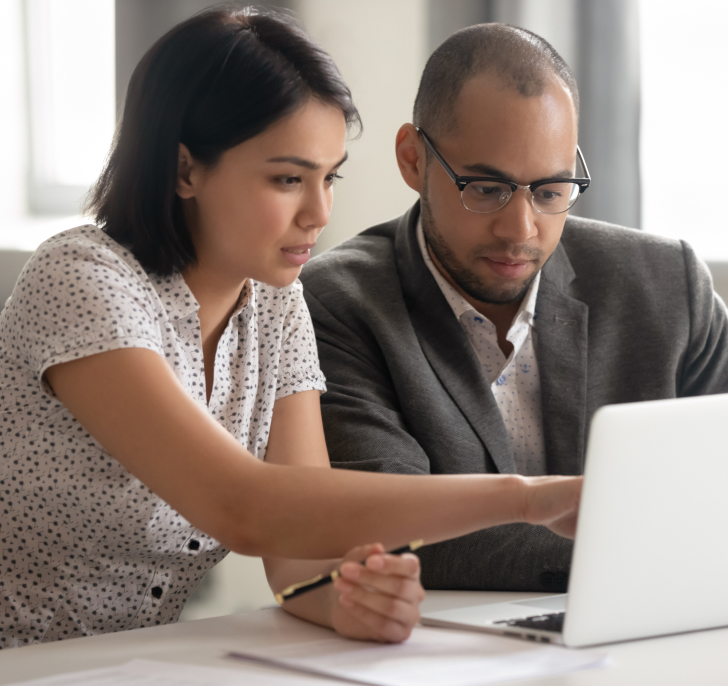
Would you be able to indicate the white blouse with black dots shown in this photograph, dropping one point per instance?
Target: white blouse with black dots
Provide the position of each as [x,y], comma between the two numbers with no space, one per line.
[85,547]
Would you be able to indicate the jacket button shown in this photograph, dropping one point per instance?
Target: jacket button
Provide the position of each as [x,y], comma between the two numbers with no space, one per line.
[157,591]
[193,545]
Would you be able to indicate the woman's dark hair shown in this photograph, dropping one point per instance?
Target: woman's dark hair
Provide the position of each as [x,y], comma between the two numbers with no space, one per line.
[212,82]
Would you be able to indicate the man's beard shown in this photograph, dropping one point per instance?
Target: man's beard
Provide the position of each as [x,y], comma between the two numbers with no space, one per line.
[466,279]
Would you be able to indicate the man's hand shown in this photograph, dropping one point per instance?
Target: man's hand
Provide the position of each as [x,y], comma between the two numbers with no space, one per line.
[553,501]
[379,599]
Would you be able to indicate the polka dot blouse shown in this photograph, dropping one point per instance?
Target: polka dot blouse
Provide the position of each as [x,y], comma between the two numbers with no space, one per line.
[85,547]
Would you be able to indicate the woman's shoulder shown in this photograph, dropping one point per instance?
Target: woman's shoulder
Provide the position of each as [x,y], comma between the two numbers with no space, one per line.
[81,268]
[83,243]
[271,300]
[84,255]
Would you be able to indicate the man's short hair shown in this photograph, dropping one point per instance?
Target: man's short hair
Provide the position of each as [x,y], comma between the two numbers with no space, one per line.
[521,59]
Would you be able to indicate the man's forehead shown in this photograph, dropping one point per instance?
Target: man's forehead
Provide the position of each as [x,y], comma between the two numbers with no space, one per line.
[501,132]
[487,99]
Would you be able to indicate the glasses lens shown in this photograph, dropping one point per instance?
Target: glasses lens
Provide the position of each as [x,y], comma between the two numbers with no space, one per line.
[554,198]
[485,196]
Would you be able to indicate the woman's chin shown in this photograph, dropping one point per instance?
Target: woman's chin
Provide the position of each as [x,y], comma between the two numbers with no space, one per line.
[280,278]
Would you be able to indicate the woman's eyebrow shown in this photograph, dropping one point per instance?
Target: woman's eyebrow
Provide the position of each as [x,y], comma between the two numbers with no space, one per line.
[307,164]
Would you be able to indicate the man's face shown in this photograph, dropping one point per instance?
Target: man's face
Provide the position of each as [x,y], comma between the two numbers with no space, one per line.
[494,257]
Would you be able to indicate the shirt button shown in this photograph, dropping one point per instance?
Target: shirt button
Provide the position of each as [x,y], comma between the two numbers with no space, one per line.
[157,592]
[501,380]
[193,545]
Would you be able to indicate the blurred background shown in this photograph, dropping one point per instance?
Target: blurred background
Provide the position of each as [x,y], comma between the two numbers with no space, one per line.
[653,94]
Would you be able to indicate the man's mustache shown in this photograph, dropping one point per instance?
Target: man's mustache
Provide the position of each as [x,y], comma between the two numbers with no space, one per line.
[523,253]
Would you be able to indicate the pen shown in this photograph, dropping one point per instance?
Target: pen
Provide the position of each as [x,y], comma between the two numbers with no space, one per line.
[321,580]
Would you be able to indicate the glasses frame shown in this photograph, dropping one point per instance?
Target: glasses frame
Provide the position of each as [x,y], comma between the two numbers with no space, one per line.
[462,181]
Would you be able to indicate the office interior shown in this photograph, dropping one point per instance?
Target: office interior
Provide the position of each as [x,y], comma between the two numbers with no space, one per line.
[651,127]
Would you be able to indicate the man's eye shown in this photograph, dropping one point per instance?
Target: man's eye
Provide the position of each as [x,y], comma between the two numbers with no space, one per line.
[549,195]
[486,190]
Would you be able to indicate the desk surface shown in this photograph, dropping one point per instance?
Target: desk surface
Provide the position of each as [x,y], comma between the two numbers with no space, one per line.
[697,658]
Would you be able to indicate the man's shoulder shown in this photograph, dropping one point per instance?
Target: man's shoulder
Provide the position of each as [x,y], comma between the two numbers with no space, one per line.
[594,239]
[617,262]
[355,262]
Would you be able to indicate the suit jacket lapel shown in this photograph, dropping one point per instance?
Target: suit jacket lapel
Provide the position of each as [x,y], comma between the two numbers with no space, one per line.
[446,346]
[561,337]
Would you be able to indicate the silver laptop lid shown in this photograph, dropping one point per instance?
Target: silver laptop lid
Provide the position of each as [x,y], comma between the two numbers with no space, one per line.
[651,552]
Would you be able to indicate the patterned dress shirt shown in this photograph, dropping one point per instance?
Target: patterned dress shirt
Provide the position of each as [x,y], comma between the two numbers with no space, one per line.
[514,382]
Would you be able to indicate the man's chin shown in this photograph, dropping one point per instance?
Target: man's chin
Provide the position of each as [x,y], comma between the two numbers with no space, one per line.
[498,294]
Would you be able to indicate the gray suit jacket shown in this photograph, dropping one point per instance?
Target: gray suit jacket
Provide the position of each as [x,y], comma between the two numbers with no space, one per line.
[621,316]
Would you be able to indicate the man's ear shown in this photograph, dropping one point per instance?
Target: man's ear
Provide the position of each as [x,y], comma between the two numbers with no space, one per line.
[186,164]
[411,156]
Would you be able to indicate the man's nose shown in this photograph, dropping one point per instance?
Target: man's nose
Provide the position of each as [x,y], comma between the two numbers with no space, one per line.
[516,221]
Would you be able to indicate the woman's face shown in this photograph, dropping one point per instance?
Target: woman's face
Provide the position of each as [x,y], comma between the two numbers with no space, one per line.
[257,212]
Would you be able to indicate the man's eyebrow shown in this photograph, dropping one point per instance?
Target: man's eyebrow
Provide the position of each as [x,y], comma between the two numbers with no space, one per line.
[306,164]
[487,170]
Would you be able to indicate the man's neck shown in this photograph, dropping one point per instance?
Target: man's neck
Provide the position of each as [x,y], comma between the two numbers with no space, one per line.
[502,315]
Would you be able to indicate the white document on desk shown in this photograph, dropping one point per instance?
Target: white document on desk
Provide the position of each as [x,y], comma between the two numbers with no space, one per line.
[153,673]
[431,657]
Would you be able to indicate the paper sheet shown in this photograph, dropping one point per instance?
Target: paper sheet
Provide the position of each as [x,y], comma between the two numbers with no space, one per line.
[152,673]
[431,657]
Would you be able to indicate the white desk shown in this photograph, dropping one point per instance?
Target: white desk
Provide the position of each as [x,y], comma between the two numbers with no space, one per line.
[700,658]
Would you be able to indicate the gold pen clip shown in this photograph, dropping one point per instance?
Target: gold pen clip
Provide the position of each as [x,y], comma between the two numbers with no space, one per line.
[280,597]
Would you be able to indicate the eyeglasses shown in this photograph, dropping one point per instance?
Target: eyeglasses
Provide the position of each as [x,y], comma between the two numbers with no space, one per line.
[485,194]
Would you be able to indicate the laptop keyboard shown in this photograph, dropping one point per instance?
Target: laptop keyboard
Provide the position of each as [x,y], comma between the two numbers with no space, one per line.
[550,622]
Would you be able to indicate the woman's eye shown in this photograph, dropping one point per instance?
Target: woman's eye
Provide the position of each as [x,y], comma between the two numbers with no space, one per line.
[331,178]
[288,181]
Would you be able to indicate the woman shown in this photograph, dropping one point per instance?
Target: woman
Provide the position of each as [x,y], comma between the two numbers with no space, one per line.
[160,383]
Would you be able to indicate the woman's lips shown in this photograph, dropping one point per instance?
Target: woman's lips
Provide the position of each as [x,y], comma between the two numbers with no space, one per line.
[298,254]
[507,269]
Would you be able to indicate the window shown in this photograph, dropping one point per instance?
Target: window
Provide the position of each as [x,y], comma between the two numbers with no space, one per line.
[684,137]
[70,62]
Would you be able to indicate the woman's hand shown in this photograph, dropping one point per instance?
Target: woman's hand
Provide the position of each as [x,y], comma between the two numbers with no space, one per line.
[553,501]
[378,599]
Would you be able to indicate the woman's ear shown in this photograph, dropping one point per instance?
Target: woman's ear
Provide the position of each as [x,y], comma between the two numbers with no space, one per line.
[186,164]
[411,157]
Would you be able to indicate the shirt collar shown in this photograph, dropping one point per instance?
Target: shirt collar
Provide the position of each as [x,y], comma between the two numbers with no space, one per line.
[179,302]
[526,312]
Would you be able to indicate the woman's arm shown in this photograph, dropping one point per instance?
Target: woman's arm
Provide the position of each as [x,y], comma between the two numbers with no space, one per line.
[377,600]
[131,403]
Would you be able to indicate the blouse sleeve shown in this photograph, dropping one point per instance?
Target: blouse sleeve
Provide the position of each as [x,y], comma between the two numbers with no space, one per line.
[77,298]
[298,369]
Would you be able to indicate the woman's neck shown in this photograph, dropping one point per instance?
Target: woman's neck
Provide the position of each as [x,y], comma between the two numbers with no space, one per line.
[218,297]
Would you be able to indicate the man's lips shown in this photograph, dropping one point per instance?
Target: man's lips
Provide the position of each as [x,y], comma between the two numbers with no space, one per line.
[298,254]
[507,267]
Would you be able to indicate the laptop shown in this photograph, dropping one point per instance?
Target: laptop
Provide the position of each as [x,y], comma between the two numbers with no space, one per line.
[651,550]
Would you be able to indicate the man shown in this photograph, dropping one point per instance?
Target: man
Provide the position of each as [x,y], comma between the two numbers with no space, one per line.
[482,330]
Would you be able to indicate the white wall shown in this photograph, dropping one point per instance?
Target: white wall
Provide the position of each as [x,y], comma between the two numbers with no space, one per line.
[380,48]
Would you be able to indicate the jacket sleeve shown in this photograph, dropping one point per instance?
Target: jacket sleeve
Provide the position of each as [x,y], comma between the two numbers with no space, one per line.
[367,430]
[705,365]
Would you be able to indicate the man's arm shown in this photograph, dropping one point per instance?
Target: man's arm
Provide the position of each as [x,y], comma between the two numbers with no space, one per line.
[705,367]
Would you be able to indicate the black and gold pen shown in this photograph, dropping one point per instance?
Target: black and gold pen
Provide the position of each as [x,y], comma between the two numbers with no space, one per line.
[321,580]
